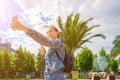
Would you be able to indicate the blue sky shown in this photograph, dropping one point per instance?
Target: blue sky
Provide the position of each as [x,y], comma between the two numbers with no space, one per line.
[37,13]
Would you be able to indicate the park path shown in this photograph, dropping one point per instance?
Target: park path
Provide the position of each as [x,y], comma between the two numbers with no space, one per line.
[66,79]
[74,79]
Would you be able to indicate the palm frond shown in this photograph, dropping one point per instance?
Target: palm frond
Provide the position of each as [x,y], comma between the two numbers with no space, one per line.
[114,53]
[76,19]
[74,31]
[59,21]
[97,35]
[92,27]
[82,42]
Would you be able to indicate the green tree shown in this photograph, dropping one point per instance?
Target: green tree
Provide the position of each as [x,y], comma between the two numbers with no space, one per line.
[101,60]
[19,60]
[113,65]
[116,49]
[12,65]
[84,60]
[30,64]
[1,62]
[7,61]
[38,63]
[100,63]
[102,52]
[75,32]
[26,60]
[119,61]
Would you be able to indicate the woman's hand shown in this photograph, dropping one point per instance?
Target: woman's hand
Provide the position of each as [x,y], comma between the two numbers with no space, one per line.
[16,25]
[42,50]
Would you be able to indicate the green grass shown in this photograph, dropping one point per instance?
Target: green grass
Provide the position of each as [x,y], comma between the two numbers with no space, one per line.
[14,79]
[74,75]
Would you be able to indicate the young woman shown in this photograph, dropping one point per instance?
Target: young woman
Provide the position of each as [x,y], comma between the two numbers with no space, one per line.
[53,66]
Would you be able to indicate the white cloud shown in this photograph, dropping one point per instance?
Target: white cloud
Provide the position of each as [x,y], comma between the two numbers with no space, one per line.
[105,13]
[18,38]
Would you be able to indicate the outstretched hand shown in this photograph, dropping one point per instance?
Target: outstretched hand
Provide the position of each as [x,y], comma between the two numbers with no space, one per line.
[16,25]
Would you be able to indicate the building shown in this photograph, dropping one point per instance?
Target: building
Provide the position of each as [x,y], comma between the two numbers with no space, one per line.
[6,46]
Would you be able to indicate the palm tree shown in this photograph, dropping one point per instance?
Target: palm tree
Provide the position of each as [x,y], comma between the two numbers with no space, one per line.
[75,32]
[116,49]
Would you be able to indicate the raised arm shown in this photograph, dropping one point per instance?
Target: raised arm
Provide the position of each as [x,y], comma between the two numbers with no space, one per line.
[16,25]
[38,37]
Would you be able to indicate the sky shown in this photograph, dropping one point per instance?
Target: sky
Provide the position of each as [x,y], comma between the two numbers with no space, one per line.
[37,13]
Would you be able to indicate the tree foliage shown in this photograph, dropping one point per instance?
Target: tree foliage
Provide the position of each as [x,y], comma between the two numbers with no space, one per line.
[119,61]
[102,52]
[113,65]
[19,60]
[7,61]
[75,32]
[12,65]
[22,61]
[30,63]
[39,61]
[84,60]
[1,61]
[115,51]
[101,61]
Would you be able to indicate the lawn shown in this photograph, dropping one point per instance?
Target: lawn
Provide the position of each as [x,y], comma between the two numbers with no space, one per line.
[14,79]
